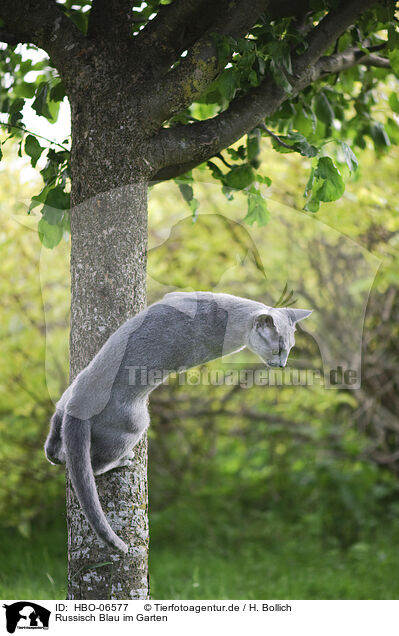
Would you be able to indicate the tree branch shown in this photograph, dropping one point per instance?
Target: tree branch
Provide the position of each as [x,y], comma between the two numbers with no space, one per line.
[180,87]
[339,62]
[175,28]
[111,20]
[8,38]
[43,23]
[273,135]
[376,60]
[181,148]
[326,33]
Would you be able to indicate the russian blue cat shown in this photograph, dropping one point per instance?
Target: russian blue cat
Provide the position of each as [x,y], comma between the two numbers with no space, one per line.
[102,414]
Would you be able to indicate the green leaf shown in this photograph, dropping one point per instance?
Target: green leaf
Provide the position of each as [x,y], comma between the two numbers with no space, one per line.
[332,187]
[263,179]
[303,122]
[194,205]
[5,104]
[57,198]
[33,149]
[394,60]
[40,104]
[350,157]
[394,102]
[257,210]
[54,108]
[49,235]
[253,78]
[310,182]
[238,153]
[215,170]
[379,135]
[252,146]
[393,38]
[286,111]
[280,78]
[25,89]
[313,205]
[57,92]
[239,177]
[186,191]
[305,148]
[80,20]
[16,106]
[280,148]
[323,109]
[225,45]
[52,215]
[66,221]
[38,199]
[297,143]
[203,111]
[392,130]
[227,84]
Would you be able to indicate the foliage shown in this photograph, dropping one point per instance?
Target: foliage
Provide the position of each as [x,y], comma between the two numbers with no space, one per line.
[328,122]
[24,334]
[44,91]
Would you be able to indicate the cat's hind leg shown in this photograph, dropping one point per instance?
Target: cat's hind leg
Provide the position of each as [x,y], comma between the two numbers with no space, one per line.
[53,446]
[112,444]
[124,462]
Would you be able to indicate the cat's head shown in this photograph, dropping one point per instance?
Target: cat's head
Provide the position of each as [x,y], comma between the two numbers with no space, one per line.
[272,334]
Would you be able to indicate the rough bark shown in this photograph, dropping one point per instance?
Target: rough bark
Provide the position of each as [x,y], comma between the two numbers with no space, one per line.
[108,271]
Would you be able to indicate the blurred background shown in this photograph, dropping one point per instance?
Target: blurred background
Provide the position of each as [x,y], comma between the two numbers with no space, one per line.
[284,491]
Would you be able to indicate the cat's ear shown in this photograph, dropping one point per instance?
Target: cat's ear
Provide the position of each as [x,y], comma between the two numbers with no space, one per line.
[264,320]
[296,315]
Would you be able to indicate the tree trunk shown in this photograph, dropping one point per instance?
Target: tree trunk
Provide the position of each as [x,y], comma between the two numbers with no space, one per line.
[108,272]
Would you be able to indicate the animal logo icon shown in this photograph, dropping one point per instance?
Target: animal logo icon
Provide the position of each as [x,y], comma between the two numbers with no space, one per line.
[26,615]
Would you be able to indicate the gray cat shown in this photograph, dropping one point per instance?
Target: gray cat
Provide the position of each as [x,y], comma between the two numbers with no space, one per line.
[103,413]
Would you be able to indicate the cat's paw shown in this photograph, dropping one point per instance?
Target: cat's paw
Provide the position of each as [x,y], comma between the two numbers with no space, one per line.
[126,460]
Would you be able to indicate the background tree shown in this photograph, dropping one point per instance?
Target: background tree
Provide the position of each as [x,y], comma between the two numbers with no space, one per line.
[155,90]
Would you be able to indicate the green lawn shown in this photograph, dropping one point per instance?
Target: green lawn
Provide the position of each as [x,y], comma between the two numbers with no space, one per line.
[289,571]
[34,567]
[258,560]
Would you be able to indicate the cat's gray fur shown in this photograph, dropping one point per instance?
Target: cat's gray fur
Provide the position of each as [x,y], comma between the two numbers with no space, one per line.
[102,415]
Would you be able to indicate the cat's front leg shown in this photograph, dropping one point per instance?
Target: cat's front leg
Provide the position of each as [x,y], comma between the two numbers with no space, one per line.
[53,446]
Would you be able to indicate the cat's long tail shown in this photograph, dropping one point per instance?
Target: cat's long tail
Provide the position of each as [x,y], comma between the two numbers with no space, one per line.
[77,434]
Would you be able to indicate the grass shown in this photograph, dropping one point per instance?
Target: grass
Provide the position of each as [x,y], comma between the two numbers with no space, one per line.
[33,567]
[260,558]
[288,572]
